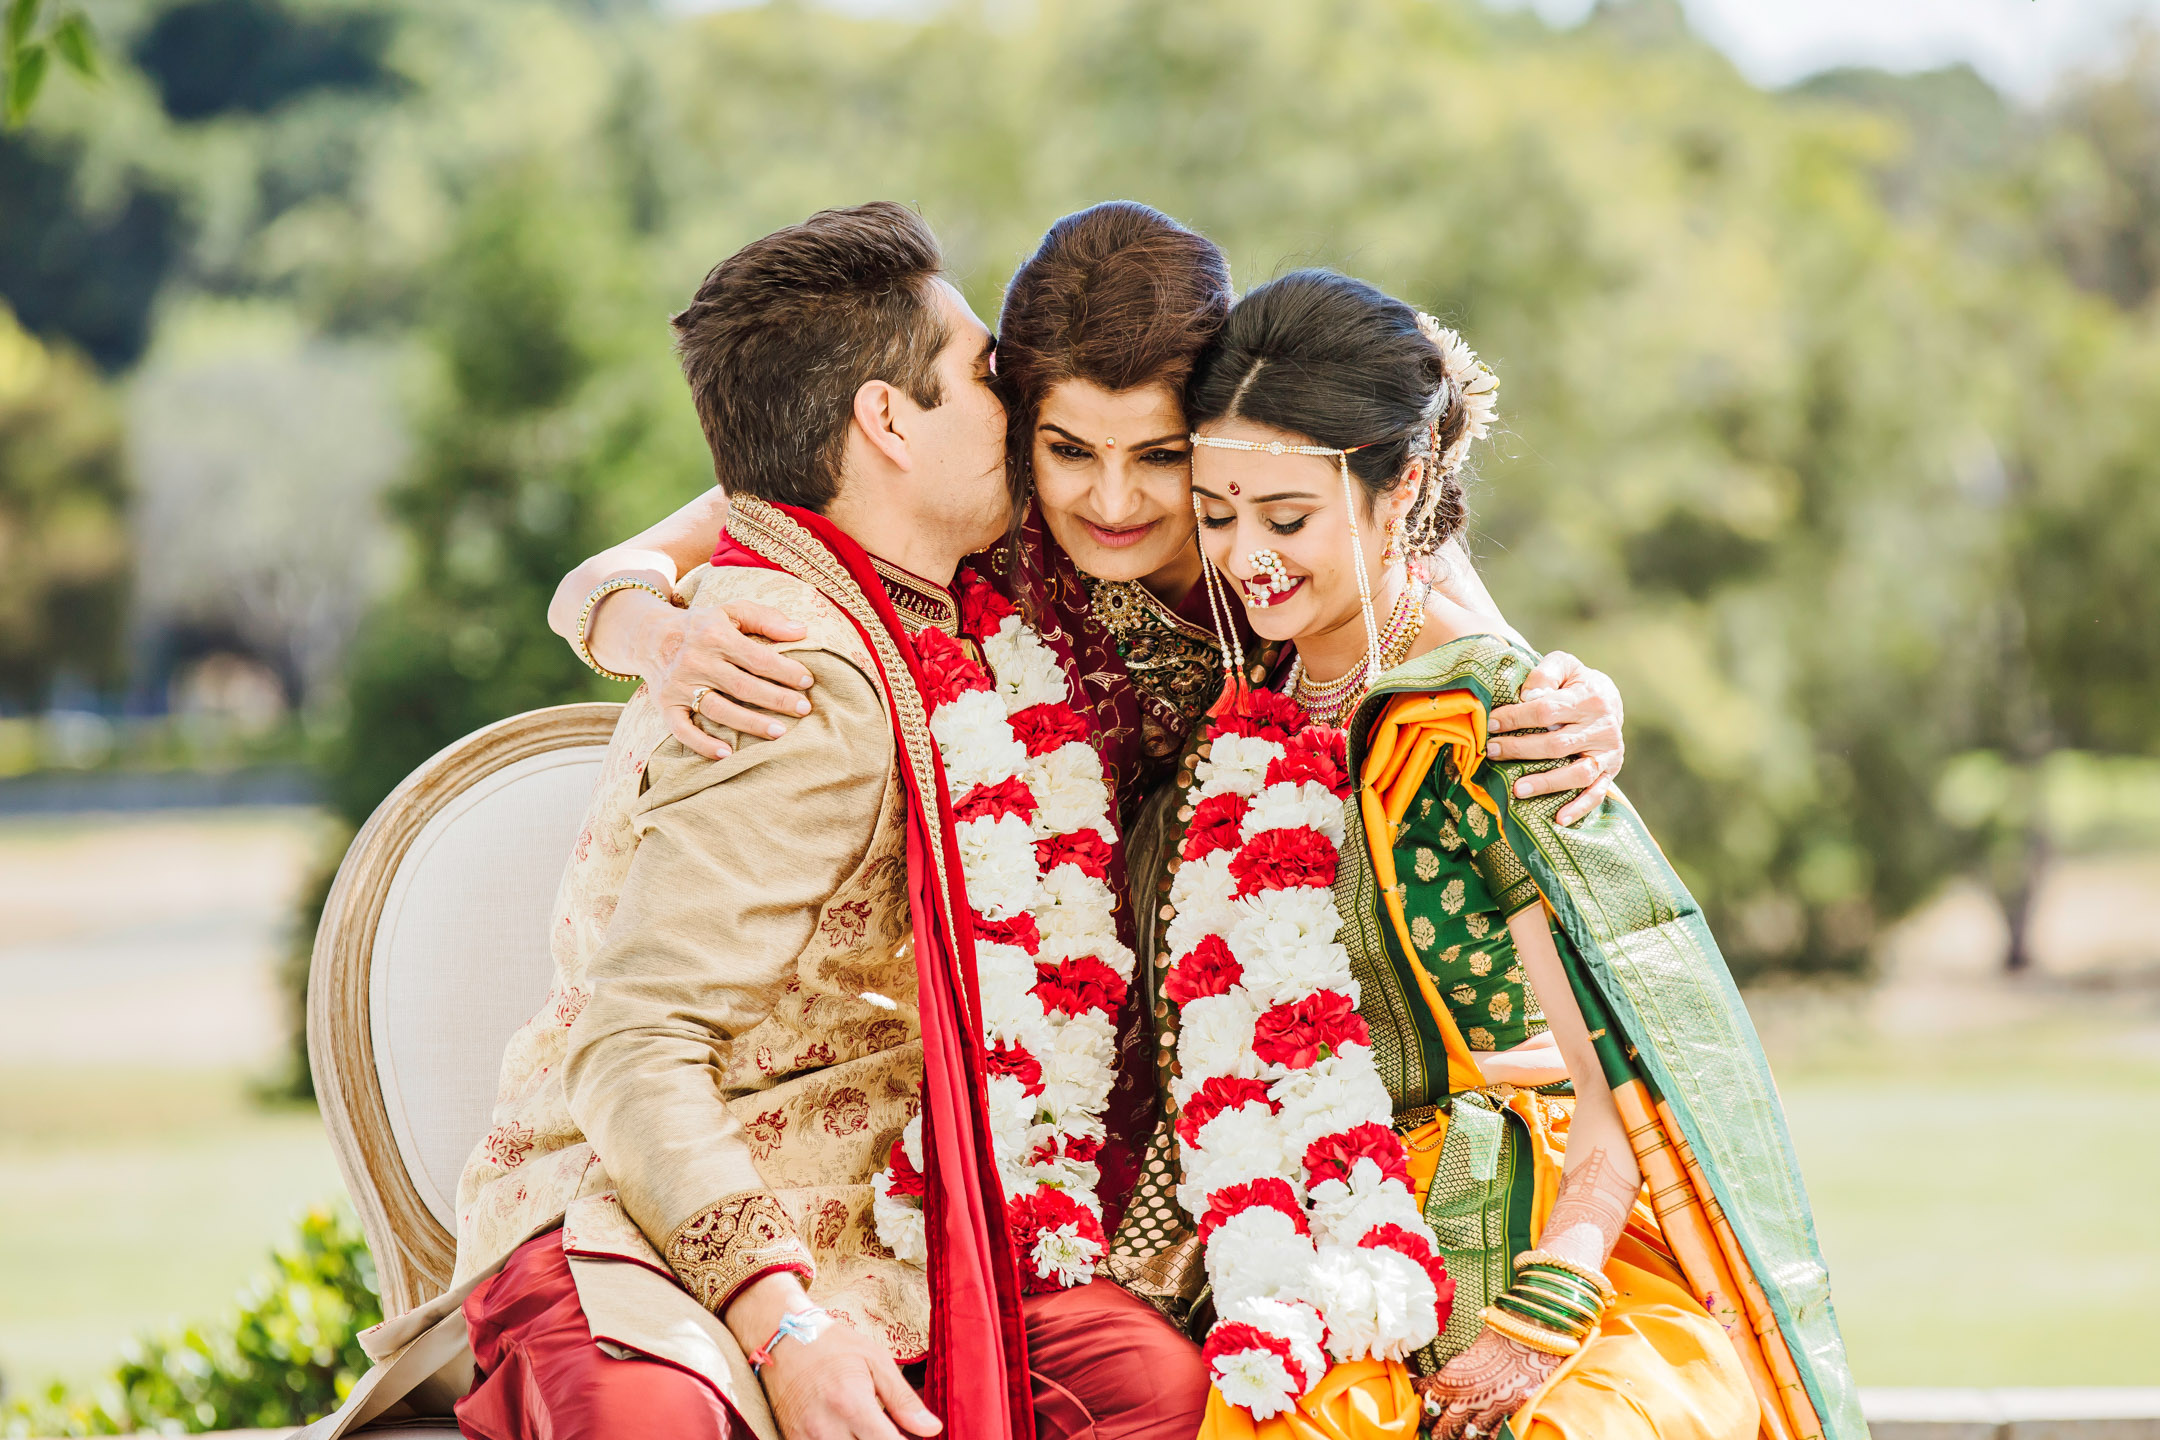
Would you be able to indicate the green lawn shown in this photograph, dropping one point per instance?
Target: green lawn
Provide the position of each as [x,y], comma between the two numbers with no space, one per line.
[128,1201]
[1986,1203]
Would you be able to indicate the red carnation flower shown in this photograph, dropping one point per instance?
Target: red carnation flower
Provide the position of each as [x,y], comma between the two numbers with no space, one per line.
[1269,714]
[1082,1147]
[1233,1337]
[1009,796]
[1332,1157]
[1043,728]
[1283,860]
[906,1179]
[1083,848]
[1216,1094]
[1306,1031]
[1005,1058]
[1215,825]
[1027,1216]
[1420,1249]
[1315,753]
[1207,969]
[948,671]
[1079,984]
[1272,1193]
[1020,930]
[982,608]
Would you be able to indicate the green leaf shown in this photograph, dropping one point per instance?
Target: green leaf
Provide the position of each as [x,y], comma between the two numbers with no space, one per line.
[22,15]
[24,80]
[72,37]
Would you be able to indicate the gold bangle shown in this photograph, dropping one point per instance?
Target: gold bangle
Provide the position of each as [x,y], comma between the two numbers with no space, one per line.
[1537,1337]
[584,620]
[1583,1272]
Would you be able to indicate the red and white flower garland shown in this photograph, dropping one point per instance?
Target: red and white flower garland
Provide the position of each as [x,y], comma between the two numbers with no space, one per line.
[1033,824]
[1292,1168]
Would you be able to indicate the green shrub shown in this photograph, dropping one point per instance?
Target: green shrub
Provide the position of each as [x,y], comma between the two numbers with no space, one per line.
[290,1353]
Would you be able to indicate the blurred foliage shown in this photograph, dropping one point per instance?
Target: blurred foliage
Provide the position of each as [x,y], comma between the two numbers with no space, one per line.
[1831,421]
[290,1352]
[34,37]
[63,541]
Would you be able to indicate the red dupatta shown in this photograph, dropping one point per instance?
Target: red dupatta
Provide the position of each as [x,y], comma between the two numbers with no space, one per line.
[977,1368]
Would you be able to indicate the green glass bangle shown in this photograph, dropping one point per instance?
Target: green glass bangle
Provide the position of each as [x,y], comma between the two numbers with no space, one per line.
[1538,1314]
[1589,1314]
[1563,1282]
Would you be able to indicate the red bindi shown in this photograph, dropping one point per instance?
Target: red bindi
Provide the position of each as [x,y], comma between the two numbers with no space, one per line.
[1233,488]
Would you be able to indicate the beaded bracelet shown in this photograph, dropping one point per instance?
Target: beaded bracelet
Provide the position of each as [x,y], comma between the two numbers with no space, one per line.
[1556,1262]
[1537,1337]
[584,620]
[800,1325]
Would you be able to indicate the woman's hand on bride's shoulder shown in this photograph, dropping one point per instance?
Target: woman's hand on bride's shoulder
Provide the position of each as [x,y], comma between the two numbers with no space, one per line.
[1571,712]
[1484,1385]
[728,652]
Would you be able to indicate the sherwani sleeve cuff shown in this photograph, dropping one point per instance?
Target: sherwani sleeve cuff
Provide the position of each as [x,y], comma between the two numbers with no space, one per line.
[730,1243]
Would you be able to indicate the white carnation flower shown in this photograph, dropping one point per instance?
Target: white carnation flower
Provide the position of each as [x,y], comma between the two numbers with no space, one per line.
[1077,1074]
[1065,1255]
[1025,669]
[1255,1380]
[1236,764]
[1249,1131]
[1069,790]
[1012,1118]
[1076,1178]
[1215,1036]
[1307,804]
[899,1222]
[1072,913]
[1291,1320]
[1285,940]
[976,742]
[997,862]
[1330,1096]
[911,1142]
[1005,975]
[1258,1254]
[1379,1305]
[1344,1214]
[1200,893]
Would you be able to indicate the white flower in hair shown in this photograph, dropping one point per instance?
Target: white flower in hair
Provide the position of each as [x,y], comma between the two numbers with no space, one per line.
[1473,377]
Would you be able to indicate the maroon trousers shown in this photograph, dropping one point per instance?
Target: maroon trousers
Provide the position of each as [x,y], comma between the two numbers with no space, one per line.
[1105,1367]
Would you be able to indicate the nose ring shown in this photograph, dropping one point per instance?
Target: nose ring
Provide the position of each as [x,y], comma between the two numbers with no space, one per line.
[1274,576]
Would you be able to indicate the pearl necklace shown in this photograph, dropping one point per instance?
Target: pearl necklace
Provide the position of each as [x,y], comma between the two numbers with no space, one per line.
[1328,702]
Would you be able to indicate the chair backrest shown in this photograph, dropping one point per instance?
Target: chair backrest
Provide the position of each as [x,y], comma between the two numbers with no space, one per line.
[433,950]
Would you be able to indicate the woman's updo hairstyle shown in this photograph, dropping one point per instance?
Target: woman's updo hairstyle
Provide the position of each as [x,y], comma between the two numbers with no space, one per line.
[1119,295]
[1324,356]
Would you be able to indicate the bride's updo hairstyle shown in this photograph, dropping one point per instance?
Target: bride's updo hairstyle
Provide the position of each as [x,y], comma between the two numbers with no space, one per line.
[1119,295]
[1322,355]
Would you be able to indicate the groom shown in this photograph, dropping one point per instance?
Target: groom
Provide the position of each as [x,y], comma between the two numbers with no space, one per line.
[758,979]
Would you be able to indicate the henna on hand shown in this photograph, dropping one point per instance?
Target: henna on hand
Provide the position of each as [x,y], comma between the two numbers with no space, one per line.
[1592,1207]
[1485,1384]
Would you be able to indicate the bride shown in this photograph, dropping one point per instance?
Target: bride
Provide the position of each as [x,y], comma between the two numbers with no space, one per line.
[1368,924]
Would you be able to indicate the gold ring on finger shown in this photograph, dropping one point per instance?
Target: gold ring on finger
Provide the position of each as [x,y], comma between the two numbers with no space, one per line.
[697,698]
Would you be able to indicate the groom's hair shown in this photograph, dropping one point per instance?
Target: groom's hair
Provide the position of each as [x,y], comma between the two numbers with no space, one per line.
[784,332]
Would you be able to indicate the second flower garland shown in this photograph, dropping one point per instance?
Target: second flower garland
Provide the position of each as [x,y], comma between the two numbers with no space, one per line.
[1314,1243]
[1032,818]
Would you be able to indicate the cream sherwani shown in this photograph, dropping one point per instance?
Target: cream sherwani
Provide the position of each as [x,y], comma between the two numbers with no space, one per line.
[728,1050]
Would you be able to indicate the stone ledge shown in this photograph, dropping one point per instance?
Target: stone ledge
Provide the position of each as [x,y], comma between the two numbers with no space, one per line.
[2055,1413]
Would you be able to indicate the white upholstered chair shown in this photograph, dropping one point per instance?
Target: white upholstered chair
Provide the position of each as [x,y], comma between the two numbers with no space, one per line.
[433,949]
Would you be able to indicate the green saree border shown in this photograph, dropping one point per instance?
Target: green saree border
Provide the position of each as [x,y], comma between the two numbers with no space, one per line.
[1640,942]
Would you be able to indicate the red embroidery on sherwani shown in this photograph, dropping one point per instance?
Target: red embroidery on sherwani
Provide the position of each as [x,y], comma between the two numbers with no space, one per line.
[508,1145]
[568,1006]
[847,1110]
[765,1132]
[764,1058]
[583,850]
[819,1054]
[832,1219]
[846,924]
[881,1035]
[723,1246]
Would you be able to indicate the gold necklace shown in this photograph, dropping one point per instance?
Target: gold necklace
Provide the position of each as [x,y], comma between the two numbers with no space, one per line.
[1328,702]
